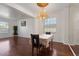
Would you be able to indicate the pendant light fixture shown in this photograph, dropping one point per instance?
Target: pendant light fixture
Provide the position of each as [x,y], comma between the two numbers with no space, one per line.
[42,14]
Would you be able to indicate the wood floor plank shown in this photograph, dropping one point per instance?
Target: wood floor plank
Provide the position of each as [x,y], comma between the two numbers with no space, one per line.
[18,46]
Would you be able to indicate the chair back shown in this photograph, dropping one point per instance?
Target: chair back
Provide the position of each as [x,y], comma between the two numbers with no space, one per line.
[48,32]
[35,40]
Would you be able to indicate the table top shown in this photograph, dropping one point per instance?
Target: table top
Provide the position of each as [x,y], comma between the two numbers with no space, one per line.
[46,36]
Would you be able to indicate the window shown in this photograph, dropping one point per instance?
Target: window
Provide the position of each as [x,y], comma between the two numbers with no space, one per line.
[3,27]
[50,25]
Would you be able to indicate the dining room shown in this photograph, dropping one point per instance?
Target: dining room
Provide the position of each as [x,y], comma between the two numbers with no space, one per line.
[39,29]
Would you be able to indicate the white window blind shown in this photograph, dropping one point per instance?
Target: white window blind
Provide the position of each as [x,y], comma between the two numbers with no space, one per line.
[4,27]
[50,25]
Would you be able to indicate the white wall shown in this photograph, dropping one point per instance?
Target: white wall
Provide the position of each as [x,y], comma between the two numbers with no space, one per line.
[68,25]
[38,26]
[74,24]
[5,16]
[62,17]
[11,15]
[10,30]
[29,29]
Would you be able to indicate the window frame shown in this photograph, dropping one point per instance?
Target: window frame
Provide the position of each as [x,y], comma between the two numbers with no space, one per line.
[52,24]
[5,27]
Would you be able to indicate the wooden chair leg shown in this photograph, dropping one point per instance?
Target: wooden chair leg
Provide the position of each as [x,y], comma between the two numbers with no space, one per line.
[49,45]
[32,51]
[37,51]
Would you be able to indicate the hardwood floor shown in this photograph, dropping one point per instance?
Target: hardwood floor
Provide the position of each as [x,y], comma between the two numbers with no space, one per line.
[17,46]
[75,49]
[61,49]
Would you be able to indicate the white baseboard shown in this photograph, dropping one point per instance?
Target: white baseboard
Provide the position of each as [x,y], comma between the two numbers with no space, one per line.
[5,37]
[72,50]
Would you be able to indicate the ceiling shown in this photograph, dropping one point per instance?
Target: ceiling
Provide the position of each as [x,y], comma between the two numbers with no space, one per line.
[50,9]
[23,10]
[8,12]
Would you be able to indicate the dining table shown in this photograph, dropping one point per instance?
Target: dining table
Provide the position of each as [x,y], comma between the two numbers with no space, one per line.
[45,39]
